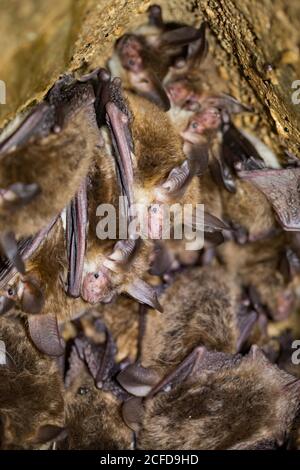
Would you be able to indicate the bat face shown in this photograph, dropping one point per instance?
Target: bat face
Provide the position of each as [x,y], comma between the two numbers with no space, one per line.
[93,414]
[205,123]
[229,402]
[31,404]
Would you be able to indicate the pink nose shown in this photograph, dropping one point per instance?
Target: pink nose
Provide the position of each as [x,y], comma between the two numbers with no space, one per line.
[95,287]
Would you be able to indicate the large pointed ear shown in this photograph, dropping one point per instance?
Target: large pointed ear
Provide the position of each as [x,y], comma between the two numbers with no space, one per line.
[33,298]
[49,433]
[148,85]
[132,413]
[43,330]
[6,304]
[281,188]
[138,380]
[144,293]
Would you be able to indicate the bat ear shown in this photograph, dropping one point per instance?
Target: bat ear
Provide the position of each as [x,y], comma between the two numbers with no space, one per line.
[132,413]
[281,188]
[138,380]
[213,223]
[144,293]
[43,330]
[256,354]
[246,324]
[182,36]
[6,304]
[33,299]
[10,247]
[227,102]
[48,433]
[149,86]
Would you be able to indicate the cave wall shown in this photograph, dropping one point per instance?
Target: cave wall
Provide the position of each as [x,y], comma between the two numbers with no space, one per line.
[255,44]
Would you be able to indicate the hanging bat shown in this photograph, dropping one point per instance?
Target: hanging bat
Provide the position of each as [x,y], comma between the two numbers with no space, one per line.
[281,188]
[93,415]
[201,306]
[122,320]
[218,401]
[147,173]
[259,264]
[31,403]
[40,293]
[44,161]
[143,58]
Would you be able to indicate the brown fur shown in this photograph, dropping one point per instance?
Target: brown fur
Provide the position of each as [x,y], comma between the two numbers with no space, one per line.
[93,417]
[121,318]
[257,264]
[48,267]
[30,389]
[199,309]
[58,164]
[230,403]
[248,208]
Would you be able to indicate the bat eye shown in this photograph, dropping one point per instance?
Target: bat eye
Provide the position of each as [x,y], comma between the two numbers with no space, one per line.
[96,275]
[194,125]
[10,292]
[83,391]
[131,62]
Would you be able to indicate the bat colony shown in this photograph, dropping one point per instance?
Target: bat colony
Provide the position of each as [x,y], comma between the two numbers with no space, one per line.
[140,343]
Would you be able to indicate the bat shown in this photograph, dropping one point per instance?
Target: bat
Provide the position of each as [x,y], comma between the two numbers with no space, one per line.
[224,402]
[143,58]
[280,186]
[143,177]
[93,417]
[40,293]
[34,189]
[259,264]
[32,403]
[201,306]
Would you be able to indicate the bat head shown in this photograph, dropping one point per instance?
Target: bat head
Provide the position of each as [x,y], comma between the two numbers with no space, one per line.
[205,123]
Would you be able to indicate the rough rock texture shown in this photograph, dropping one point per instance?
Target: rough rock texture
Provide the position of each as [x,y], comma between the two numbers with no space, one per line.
[255,44]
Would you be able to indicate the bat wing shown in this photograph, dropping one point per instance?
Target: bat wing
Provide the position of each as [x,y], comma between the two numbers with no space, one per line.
[44,333]
[282,189]
[76,233]
[238,152]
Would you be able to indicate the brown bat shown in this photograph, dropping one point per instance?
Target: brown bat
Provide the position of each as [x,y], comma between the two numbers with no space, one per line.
[40,293]
[224,402]
[281,188]
[93,415]
[122,320]
[44,161]
[203,306]
[151,170]
[259,264]
[31,403]
[143,58]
